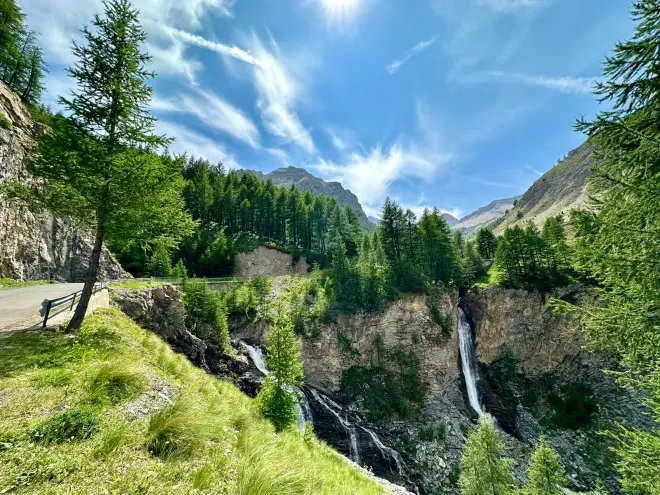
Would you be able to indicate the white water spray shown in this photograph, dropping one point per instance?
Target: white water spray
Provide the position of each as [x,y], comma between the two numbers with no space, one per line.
[303,412]
[388,453]
[334,408]
[469,362]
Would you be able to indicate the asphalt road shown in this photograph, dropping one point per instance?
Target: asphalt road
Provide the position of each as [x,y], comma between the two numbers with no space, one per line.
[20,307]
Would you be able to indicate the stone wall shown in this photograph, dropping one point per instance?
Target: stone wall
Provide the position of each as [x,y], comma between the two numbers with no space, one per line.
[34,245]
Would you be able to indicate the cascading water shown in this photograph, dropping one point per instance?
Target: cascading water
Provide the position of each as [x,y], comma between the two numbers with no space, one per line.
[468,362]
[387,452]
[334,408]
[303,411]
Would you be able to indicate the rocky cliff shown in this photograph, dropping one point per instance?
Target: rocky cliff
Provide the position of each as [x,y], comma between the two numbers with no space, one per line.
[268,262]
[35,245]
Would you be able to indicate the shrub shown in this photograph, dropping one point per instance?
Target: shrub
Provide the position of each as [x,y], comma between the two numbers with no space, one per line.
[346,345]
[574,406]
[5,123]
[113,383]
[74,425]
[432,432]
[444,321]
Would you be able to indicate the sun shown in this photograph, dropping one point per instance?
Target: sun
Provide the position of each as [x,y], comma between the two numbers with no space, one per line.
[340,8]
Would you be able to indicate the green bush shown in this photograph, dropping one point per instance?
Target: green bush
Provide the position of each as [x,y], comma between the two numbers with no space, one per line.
[433,432]
[205,313]
[346,345]
[444,321]
[5,123]
[74,425]
[391,386]
[574,406]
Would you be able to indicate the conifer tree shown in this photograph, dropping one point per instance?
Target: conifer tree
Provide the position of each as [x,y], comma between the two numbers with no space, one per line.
[486,243]
[483,470]
[100,167]
[545,471]
[618,241]
[277,398]
[160,263]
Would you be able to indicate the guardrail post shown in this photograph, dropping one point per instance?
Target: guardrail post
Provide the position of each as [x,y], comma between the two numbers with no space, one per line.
[45,308]
[73,301]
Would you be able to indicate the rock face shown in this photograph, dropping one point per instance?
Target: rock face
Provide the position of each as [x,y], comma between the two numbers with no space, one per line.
[537,379]
[160,309]
[268,262]
[34,245]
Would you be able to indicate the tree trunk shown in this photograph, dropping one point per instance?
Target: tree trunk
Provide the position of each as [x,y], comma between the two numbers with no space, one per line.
[90,280]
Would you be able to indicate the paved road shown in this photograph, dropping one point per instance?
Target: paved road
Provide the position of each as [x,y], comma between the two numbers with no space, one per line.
[20,307]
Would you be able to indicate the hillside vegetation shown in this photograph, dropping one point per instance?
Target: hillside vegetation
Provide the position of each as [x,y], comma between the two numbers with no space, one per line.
[111,409]
[557,192]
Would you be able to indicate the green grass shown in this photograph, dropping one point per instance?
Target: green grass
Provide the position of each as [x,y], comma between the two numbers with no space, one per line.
[491,278]
[10,283]
[68,423]
[136,285]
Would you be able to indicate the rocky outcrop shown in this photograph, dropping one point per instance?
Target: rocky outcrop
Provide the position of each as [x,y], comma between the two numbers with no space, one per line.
[268,262]
[35,245]
[160,310]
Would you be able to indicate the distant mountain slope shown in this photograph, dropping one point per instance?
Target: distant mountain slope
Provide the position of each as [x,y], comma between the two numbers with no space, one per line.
[559,190]
[484,216]
[451,219]
[307,182]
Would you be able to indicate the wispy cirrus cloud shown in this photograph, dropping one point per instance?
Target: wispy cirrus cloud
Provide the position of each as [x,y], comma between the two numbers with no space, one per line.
[563,84]
[509,5]
[225,50]
[394,66]
[214,111]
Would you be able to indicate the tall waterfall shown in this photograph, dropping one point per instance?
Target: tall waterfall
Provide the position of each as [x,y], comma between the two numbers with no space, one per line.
[469,362]
[303,411]
[334,408]
[388,453]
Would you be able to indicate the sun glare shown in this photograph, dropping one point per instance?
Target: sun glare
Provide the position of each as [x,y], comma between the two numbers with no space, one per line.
[340,8]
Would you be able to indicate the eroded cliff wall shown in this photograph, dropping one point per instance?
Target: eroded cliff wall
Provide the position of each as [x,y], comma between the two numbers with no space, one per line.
[35,245]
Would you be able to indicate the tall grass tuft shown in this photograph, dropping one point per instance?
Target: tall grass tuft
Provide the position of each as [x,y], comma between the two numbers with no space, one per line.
[114,382]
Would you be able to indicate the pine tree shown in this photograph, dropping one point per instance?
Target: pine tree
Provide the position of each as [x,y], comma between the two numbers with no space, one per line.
[277,398]
[100,167]
[546,471]
[483,470]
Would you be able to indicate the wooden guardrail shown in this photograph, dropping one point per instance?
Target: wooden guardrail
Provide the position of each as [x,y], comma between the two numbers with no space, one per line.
[48,304]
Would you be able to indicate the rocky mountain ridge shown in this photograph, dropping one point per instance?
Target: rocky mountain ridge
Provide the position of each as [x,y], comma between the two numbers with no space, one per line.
[556,192]
[36,245]
[305,181]
[484,216]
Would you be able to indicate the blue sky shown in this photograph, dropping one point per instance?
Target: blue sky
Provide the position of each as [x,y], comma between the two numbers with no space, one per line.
[447,103]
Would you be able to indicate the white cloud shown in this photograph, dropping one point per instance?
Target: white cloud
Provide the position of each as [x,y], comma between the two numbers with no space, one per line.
[537,172]
[194,144]
[225,50]
[60,21]
[418,209]
[393,67]
[213,111]
[563,84]
[508,5]
[278,93]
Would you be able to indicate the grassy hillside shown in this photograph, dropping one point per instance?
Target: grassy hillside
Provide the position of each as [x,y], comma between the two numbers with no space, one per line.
[111,409]
[559,190]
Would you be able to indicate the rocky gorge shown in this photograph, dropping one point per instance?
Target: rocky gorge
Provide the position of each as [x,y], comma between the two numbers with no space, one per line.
[533,377]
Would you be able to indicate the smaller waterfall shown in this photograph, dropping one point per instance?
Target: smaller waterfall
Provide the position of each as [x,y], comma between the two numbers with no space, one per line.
[334,408]
[303,411]
[469,362]
[387,452]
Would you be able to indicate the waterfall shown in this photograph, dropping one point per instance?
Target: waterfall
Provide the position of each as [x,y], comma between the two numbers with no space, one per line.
[303,411]
[388,453]
[469,362]
[334,408]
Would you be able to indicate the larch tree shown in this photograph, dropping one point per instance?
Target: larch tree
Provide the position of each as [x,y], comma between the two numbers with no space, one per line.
[277,398]
[483,469]
[100,165]
[545,471]
[618,241]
